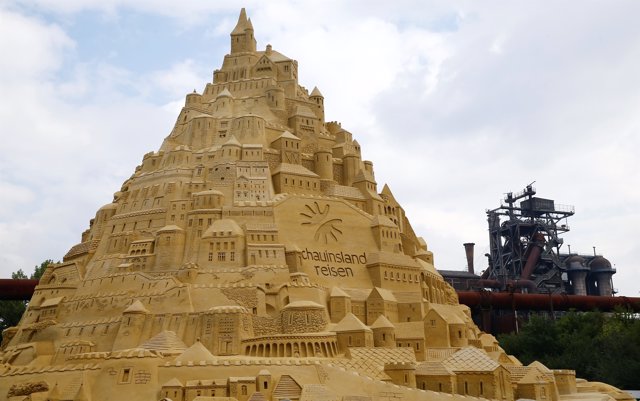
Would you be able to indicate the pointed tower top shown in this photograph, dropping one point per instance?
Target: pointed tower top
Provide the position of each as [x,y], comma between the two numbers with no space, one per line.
[316,92]
[243,23]
[242,39]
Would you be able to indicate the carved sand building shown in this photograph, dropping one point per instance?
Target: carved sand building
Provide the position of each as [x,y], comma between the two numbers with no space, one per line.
[253,257]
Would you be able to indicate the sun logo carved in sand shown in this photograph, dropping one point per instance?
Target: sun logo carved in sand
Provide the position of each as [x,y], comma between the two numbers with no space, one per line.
[326,228]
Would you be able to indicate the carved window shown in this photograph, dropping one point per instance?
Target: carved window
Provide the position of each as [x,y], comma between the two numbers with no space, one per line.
[125,376]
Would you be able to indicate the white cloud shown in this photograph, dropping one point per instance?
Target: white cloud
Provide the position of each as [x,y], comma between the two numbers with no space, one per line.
[30,48]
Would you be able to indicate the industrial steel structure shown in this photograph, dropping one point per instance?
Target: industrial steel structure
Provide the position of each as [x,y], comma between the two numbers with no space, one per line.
[524,243]
[525,250]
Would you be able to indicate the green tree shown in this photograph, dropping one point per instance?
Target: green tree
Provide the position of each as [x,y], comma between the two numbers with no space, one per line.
[39,270]
[598,346]
[619,362]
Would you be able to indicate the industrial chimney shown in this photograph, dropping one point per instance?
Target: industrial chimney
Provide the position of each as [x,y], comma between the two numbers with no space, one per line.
[468,249]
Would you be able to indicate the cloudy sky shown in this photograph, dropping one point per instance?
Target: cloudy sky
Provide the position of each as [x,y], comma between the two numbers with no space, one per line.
[456,103]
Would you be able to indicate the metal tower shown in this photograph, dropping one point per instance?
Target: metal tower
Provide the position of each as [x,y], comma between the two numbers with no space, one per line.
[524,243]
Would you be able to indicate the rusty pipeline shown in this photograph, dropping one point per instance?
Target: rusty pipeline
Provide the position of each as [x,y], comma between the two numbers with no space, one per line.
[21,289]
[509,301]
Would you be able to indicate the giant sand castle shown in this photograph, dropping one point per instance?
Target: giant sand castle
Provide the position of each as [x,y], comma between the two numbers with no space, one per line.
[252,258]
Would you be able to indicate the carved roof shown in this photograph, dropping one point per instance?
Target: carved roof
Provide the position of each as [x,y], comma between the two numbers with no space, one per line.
[224,93]
[470,359]
[410,330]
[287,388]
[337,292]
[288,135]
[169,228]
[382,323]
[385,295]
[165,341]
[432,368]
[295,169]
[534,375]
[447,312]
[350,323]
[380,220]
[206,383]
[371,361]
[136,307]
[51,302]
[257,396]
[344,191]
[383,355]
[316,92]
[222,228]
[233,141]
[196,353]
[274,56]
[303,111]
[174,382]
[304,305]
[358,294]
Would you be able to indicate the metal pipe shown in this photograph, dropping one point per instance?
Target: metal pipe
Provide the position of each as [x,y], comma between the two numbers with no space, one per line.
[506,301]
[11,289]
[509,284]
[468,249]
[487,283]
[519,284]
[534,256]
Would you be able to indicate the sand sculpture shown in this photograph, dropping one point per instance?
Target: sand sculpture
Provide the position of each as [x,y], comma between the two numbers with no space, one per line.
[252,258]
